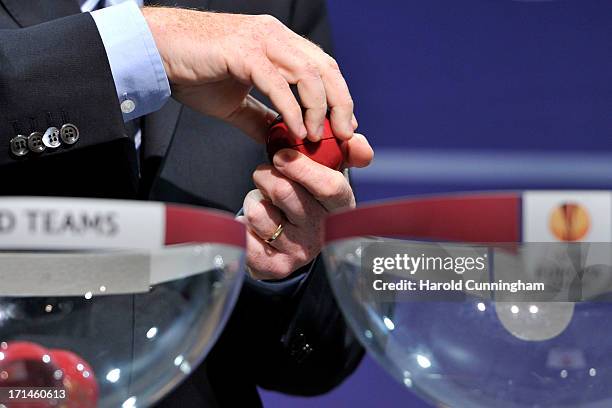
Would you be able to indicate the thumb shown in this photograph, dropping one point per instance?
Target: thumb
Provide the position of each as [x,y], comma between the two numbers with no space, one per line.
[358,151]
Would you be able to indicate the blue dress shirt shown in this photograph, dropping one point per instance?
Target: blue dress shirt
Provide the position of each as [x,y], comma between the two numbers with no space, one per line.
[137,68]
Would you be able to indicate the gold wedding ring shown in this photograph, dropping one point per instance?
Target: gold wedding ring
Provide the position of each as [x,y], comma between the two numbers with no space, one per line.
[276,234]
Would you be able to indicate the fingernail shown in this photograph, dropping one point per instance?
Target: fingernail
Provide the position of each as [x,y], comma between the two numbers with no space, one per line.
[287,154]
[283,156]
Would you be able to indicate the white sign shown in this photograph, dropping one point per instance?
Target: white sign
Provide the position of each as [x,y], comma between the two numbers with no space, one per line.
[75,223]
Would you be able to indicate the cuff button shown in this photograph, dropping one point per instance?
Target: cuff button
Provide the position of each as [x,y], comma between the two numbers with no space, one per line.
[19,146]
[69,133]
[51,138]
[128,106]
[35,142]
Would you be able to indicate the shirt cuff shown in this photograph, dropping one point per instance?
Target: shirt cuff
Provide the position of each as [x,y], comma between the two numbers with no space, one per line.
[285,287]
[137,68]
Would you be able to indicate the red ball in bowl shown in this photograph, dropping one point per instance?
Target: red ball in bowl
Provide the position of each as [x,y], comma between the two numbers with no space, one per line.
[328,151]
[79,380]
[23,365]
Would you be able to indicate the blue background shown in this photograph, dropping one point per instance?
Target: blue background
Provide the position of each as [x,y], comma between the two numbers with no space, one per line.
[471,95]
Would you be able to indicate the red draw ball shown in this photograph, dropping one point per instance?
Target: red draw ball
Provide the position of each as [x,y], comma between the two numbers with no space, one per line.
[328,151]
[70,379]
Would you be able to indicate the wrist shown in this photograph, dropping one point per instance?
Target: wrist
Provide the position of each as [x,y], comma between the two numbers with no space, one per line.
[156,19]
[189,43]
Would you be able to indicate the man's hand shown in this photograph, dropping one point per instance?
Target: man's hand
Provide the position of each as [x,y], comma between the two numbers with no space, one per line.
[297,193]
[212,60]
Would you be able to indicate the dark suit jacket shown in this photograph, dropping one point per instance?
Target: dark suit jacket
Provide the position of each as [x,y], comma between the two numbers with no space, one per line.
[53,68]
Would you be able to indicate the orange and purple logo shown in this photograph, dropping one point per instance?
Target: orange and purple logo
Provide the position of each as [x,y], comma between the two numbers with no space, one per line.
[569,222]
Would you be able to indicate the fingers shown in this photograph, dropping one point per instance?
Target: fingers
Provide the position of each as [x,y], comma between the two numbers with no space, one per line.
[299,206]
[267,78]
[266,262]
[329,187]
[263,218]
[294,66]
[319,80]
[315,107]
[253,118]
[294,247]
[339,100]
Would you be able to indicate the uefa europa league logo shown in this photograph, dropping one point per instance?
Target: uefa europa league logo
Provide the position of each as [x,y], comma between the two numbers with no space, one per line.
[569,222]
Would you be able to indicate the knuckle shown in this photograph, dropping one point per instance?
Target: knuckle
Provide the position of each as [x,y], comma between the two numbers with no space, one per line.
[348,103]
[345,105]
[299,258]
[279,84]
[303,256]
[351,200]
[254,213]
[310,71]
[316,112]
[316,108]
[280,270]
[332,64]
[316,46]
[269,20]
[302,170]
[266,69]
[334,188]
[282,191]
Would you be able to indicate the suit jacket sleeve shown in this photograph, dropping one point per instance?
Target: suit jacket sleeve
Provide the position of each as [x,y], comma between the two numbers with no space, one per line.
[301,344]
[55,73]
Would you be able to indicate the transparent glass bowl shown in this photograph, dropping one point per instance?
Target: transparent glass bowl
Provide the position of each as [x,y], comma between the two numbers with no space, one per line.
[491,347]
[93,325]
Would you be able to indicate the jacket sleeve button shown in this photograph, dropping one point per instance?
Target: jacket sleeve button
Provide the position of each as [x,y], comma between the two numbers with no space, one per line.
[69,133]
[51,138]
[35,142]
[19,146]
